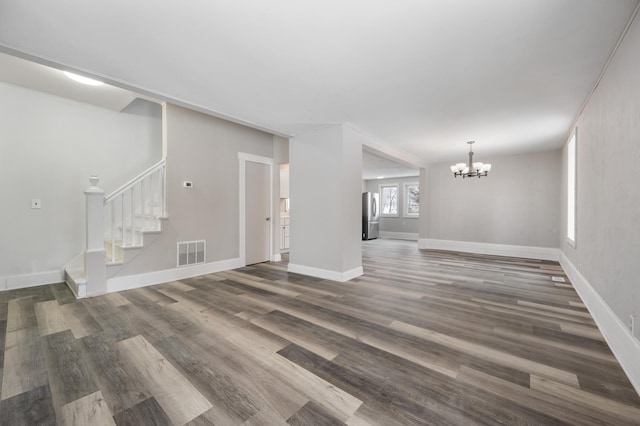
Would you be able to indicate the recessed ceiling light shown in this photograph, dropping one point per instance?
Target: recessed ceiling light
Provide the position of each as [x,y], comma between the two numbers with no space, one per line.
[380,177]
[83,80]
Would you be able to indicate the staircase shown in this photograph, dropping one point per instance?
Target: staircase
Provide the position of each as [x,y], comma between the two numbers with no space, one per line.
[116,228]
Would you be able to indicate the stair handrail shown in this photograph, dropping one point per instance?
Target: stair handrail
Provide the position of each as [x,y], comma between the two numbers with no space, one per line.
[131,183]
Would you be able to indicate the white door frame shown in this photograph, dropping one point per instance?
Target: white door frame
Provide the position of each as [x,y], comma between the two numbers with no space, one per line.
[243,157]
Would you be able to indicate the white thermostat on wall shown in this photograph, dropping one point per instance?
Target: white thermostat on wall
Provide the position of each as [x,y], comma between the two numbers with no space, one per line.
[187,184]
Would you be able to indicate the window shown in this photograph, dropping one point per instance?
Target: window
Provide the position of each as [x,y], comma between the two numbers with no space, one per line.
[571,190]
[389,200]
[411,199]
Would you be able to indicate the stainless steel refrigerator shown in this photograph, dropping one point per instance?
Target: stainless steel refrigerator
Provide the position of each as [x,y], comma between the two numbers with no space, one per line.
[370,225]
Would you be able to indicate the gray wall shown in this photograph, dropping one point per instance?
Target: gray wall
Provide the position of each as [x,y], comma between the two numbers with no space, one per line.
[608,199]
[280,150]
[352,197]
[315,176]
[325,188]
[400,223]
[517,204]
[202,149]
[49,146]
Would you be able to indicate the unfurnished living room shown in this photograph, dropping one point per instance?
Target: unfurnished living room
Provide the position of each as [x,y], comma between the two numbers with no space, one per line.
[365,212]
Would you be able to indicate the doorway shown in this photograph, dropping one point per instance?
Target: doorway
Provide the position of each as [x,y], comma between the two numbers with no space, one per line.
[255,209]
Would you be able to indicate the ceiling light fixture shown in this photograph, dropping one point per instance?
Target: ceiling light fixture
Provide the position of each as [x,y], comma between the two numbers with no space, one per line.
[470,169]
[83,80]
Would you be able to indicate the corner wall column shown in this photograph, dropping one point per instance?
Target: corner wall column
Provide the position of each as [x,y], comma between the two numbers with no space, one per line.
[423,220]
[326,203]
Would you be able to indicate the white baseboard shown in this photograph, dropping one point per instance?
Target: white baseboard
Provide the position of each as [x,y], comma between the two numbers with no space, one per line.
[31,280]
[157,277]
[624,346]
[325,273]
[78,288]
[276,258]
[409,236]
[527,252]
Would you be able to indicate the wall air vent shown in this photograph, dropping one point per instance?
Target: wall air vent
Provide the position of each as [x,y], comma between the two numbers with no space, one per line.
[191,252]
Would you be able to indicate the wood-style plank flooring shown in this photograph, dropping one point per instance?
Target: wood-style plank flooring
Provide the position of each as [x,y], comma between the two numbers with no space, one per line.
[423,337]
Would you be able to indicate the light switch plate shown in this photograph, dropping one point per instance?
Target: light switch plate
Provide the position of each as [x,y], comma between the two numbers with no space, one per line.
[36,203]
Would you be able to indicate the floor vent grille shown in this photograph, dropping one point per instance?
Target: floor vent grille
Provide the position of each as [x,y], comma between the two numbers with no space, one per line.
[191,252]
[557,279]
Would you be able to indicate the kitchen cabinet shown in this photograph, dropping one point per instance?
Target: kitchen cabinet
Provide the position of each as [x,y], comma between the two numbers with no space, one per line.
[284,233]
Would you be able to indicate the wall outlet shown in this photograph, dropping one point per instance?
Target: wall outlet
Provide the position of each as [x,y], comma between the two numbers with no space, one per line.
[36,203]
[632,324]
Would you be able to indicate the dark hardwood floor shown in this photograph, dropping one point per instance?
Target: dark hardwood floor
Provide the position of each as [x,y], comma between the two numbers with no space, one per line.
[423,337]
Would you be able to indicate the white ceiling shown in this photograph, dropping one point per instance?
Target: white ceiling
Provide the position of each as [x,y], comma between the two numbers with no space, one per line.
[34,76]
[377,167]
[420,76]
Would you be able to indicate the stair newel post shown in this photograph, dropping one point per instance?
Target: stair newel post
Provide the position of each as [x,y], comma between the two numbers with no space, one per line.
[94,255]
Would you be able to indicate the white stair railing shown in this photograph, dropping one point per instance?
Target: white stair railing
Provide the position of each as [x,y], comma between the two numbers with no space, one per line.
[126,214]
[134,208]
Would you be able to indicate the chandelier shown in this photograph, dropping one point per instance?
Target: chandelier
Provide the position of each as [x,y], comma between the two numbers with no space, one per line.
[470,169]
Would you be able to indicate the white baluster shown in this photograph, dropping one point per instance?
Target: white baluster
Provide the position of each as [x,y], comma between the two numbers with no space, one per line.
[163,182]
[133,217]
[150,198]
[113,231]
[143,207]
[124,243]
[152,192]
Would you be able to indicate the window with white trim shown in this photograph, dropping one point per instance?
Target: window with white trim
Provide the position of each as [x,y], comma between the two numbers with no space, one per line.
[571,190]
[411,199]
[389,200]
